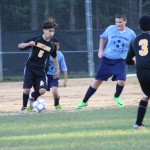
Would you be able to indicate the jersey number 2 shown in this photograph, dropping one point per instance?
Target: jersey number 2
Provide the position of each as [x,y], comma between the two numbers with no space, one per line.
[144,47]
[41,52]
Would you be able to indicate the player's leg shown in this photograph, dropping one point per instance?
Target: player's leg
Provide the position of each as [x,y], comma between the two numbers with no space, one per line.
[26,86]
[120,70]
[56,98]
[102,75]
[119,89]
[91,90]
[144,80]
[54,86]
[141,112]
[40,88]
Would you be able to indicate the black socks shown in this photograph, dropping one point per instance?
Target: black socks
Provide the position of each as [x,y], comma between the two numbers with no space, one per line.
[25,99]
[56,101]
[118,90]
[141,112]
[88,94]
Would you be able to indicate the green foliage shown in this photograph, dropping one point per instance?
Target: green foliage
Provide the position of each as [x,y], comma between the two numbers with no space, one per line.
[105,129]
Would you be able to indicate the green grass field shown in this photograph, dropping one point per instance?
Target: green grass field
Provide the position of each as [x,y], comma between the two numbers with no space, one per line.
[104,129]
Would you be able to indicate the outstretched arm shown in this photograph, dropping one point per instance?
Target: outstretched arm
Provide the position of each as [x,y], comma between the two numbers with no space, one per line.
[23,46]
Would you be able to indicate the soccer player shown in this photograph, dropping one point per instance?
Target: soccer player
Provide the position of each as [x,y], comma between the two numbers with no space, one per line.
[113,48]
[140,49]
[34,72]
[53,82]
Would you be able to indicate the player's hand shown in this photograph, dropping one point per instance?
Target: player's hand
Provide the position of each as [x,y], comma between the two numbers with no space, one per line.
[32,43]
[57,74]
[100,54]
[65,83]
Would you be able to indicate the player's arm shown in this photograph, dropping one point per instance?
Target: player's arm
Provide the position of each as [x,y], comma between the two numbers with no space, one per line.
[24,46]
[101,47]
[65,78]
[64,68]
[130,59]
[57,67]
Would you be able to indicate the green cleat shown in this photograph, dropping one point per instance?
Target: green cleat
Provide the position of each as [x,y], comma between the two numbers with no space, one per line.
[59,108]
[81,105]
[29,109]
[119,101]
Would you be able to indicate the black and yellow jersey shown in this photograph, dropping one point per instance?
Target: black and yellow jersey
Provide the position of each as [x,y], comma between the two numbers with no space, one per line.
[140,48]
[40,53]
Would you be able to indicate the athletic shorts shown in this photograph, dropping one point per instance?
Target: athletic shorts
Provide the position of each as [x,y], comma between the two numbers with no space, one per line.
[31,78]
[51,82]
[144,80]
[115,68]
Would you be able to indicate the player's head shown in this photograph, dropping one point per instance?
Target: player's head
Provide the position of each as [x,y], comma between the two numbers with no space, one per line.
[49,24]
[49,28]
[120,21]
[144,23]
[55,40]
[121,15]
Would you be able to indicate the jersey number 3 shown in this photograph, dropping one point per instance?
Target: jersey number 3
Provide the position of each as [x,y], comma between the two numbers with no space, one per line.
[41,52]
[144,47]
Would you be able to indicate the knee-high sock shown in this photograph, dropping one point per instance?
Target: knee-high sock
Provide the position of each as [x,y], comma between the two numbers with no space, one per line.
[89,93]
[56,101]
[141,112]
[118,90]
[25,99]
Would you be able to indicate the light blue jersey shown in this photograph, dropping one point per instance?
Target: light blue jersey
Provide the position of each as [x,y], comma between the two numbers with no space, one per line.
[118,42]
[52,69]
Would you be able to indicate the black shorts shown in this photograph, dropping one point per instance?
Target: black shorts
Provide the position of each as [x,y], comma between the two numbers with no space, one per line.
[144,80]
[31,77]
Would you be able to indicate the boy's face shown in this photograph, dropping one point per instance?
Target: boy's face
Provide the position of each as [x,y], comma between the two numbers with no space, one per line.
[121,23]
[57,45]
[49,33]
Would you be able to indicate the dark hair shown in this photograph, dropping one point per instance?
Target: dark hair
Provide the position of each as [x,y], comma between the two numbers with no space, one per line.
[50,23]
[121,15]
[55,39]
[144,23]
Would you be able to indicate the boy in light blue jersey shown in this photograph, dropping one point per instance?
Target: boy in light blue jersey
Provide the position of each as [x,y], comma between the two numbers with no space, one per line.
[113,48]
[118,42]
[53,82]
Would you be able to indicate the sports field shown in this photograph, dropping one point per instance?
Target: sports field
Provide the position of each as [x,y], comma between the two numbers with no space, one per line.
[11,95]
[101,125]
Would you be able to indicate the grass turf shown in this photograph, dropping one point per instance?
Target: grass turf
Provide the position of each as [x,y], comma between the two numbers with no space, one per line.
[104,129]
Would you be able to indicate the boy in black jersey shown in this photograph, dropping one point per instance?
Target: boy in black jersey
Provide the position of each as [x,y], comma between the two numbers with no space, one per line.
[34,71]
[140,49]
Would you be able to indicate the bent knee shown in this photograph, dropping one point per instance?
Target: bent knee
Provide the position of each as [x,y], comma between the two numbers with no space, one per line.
[121,83]
[26,91]
[42,91]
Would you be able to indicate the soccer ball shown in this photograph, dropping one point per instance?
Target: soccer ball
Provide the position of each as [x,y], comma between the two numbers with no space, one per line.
[39,105]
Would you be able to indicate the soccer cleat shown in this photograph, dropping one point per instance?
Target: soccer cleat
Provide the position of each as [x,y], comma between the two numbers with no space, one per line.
[119,101]
[81,105]
[23,110]
[29,109]
[135,126]
[59,108]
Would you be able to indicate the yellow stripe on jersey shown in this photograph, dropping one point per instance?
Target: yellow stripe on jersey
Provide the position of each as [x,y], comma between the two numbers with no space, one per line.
[44,47]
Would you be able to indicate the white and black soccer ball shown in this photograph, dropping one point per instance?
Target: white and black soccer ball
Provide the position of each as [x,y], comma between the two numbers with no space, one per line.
[39,105]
